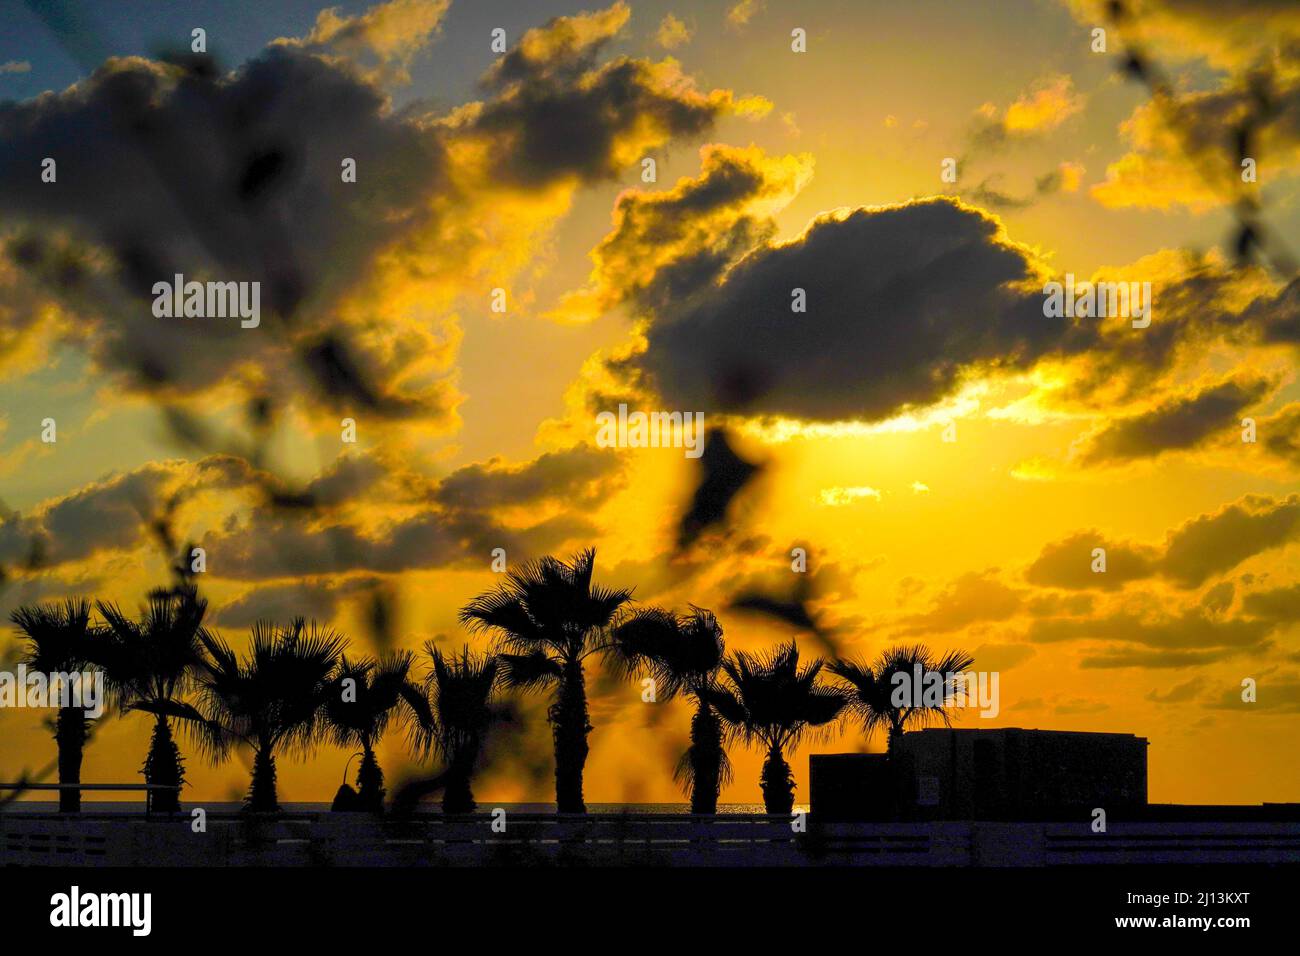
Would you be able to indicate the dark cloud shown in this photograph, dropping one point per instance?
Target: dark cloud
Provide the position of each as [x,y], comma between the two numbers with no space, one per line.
[451,523]
[667,244]
[299,531]
[1218,599]
[553,113]
[1202,548]
[1068,563]
[578,475]
[272,545]
[1178,424]
[892,299]
[1180,693]
[235,178]
[972,598]
[317,600]
[1278,693]
[1280,434]
[1155,660]
[1186,630]
[108,514]
[1211,544]
[988,194]
[1275,604]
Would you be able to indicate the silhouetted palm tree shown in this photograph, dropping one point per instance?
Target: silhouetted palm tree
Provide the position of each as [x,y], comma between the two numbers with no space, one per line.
[461,689]
[549,617]
[150,667]
[364,698]
[60,640]
[770,700]
[273,699]
[683,654]
[878,699]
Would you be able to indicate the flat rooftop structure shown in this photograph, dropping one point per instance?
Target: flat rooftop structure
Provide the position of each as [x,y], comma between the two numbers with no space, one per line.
[1007,773]
[1004,773]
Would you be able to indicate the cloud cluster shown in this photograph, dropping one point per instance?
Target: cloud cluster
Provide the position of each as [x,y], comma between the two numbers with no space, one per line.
[360,514]
[1202,548]
[381,41]
[901,303]
[238,177]
[1179,423]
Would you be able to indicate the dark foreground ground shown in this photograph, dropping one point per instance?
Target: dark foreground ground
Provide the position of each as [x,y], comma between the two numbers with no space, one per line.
[737,909]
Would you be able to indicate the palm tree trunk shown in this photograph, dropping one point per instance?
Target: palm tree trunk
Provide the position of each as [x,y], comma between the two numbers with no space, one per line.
[569,728]
[706,759]
[70,738]
[164,766]
[895,739]
[370,782]
[458,797]
[777,783]
[261,794]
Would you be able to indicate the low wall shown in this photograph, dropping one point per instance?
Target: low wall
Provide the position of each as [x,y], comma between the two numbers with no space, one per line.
[621,839]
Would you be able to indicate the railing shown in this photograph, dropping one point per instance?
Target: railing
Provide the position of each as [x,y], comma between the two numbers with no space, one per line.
[147,788]
[339,839]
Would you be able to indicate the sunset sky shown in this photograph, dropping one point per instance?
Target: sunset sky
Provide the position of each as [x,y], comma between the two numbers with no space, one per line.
[774,170]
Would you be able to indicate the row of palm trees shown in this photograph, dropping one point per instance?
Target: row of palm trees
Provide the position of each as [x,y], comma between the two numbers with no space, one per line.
[294,686]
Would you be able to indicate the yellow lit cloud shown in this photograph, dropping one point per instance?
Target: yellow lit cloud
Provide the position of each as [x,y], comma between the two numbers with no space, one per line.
[1050,103]
[741,13]
[672,33]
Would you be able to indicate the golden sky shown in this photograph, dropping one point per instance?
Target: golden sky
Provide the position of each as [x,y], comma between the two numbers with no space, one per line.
[948,454]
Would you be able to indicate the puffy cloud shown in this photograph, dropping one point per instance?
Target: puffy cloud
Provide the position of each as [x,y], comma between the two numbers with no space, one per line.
[273,545]
[1200,549]
[666,243]
[1278,693]
[1189,630]
[1227,34]
[1184,157]
[107,514]
[1211,544]
[1185,144]
[1180,423]
[1050,102]
[579,475]
[237,177]
[1275,604]
[382,41]
[361,513]
[970,599]
[1068,563]
[739,14]
[455,522]
[1159,660]
[554,114]
[317,600]
[1065,178]
[1198,304]
[672,33]
[937,262]
[1178,694]
[215,178]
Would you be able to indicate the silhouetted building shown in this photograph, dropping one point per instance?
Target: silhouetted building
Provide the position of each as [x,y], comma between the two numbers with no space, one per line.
[996,774]
[844,787]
